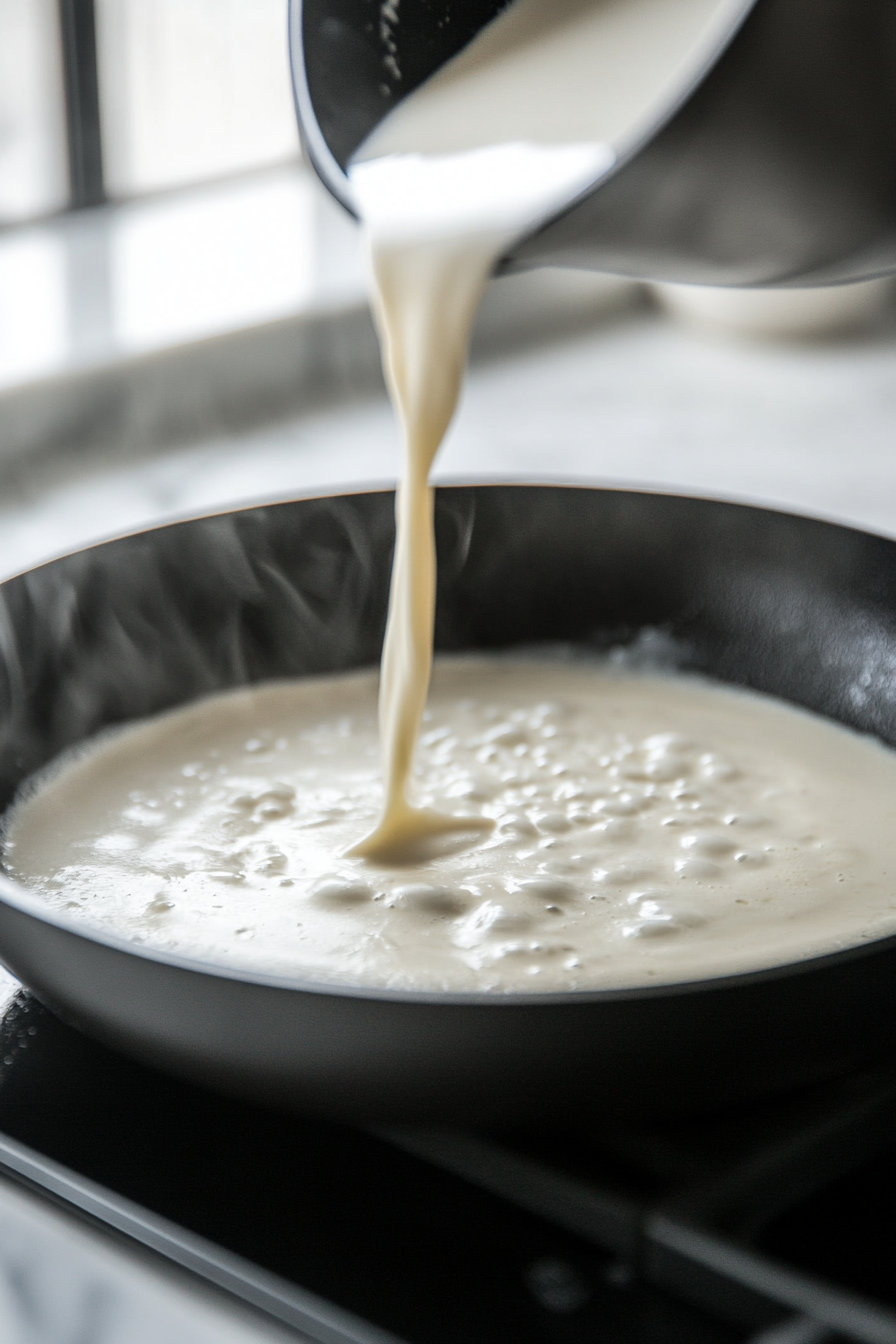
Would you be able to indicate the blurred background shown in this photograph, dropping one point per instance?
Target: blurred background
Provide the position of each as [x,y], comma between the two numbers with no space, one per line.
[183,320]
[183,326]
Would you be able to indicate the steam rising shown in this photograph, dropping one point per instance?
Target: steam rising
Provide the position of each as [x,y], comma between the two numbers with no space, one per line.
[129,628]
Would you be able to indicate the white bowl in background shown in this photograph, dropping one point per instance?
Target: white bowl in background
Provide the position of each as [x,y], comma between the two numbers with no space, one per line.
[781,314]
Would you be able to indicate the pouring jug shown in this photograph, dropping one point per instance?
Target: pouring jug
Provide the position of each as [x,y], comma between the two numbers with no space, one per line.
[776,165]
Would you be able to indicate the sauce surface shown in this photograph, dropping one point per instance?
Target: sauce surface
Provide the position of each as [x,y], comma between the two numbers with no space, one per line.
[644,829]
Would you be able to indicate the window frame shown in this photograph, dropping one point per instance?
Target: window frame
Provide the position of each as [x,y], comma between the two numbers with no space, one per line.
[80,72]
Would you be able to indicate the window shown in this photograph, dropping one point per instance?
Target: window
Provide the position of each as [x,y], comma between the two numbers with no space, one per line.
[192,89]
[189,90]
[33,169]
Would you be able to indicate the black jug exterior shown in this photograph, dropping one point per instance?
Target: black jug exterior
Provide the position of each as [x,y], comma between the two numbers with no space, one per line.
[777,167]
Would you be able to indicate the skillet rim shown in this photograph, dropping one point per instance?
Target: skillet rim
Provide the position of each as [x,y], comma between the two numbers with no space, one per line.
[610,485]
[17,897]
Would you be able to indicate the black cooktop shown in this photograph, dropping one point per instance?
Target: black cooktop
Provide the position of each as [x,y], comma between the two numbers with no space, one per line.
[774,1223]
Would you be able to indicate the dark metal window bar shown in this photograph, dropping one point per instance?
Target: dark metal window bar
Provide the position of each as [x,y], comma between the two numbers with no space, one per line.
[77,27]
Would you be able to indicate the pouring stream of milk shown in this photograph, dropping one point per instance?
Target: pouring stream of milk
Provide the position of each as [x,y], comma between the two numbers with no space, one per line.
[528,116]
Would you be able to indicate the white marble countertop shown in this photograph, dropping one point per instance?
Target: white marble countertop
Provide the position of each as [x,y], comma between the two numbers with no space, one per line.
[64,1283]
[635,399]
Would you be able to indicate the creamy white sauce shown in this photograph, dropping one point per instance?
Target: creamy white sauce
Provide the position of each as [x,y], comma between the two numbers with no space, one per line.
[646,829]
[530,114]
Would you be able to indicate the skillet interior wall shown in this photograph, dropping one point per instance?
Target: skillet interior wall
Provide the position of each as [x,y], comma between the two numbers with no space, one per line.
[798,608]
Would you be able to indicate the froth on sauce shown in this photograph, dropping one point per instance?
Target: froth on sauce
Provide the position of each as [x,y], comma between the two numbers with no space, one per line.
[643,829]
[534,111]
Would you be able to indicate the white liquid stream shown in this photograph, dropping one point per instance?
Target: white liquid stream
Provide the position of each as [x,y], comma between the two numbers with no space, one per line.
[527,117]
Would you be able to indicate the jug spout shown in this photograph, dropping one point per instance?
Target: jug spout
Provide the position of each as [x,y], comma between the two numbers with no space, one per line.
[775,166]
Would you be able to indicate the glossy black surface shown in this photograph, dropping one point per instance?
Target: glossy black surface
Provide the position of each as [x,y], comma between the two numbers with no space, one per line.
[402,1244]
[777,169]
[445,1237]
[802,609]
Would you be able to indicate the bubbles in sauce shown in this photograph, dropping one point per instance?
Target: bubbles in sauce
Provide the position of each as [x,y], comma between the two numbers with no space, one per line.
[642,829]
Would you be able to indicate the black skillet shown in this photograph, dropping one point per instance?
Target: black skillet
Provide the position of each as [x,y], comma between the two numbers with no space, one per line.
[802,609]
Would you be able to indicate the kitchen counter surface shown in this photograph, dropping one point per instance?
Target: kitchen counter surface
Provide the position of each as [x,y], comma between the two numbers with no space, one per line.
[635,399]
